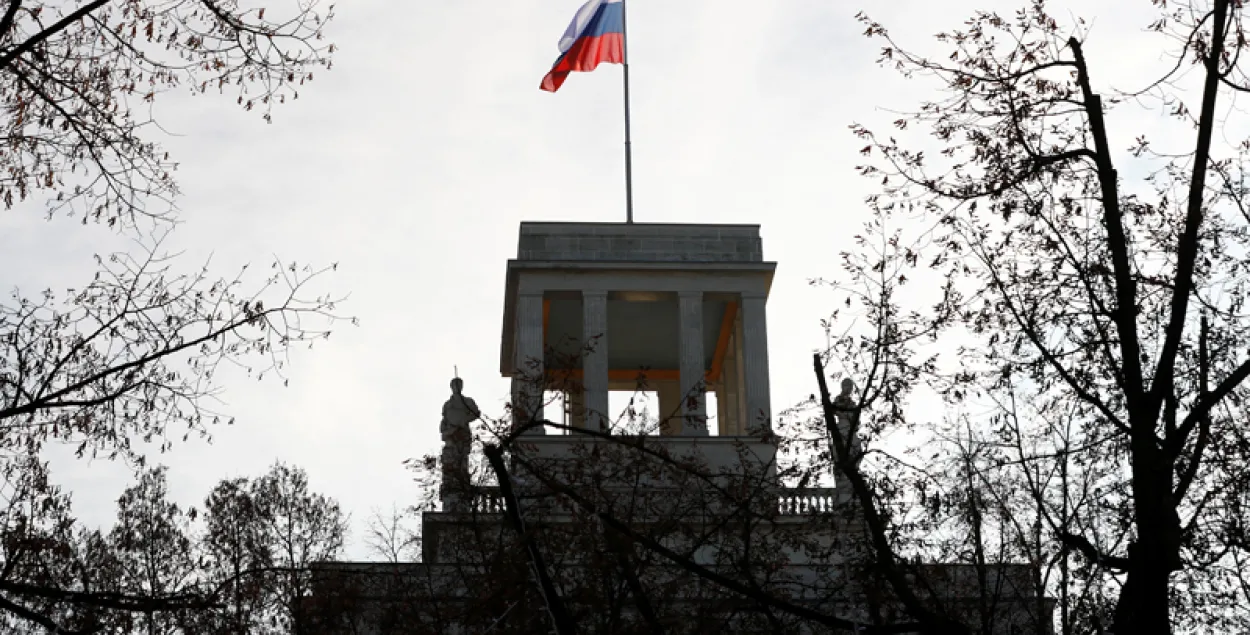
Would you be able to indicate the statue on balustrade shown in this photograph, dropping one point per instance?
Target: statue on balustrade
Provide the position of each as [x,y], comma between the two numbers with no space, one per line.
[845,403]
[458,413]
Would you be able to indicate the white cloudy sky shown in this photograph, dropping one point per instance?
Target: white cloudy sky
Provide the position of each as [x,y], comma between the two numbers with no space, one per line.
[413,161]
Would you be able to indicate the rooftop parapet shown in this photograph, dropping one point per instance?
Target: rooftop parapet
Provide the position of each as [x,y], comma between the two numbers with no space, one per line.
[639,242]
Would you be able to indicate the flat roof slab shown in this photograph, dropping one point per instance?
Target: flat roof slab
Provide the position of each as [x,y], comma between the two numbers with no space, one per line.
[639,242]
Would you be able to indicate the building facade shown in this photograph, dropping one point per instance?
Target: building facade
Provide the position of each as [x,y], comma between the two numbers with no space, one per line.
[677,519]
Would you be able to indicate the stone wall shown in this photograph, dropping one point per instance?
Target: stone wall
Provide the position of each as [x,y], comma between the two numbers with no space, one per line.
[640,242]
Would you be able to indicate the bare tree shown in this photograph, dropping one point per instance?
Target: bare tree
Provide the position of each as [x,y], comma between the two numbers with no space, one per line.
[77,80]
[135,351]
[300,527]
[390,537]
[236,557]
[129,360]
[152,543]
[1097,298]
[133,359]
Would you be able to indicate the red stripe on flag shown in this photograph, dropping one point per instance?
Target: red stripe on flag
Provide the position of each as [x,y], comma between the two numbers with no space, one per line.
[585,54]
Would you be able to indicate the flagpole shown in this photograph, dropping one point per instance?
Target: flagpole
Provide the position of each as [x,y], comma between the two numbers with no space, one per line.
[629,167]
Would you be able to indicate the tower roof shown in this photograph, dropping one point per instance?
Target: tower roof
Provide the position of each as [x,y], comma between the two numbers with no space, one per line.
[639,242]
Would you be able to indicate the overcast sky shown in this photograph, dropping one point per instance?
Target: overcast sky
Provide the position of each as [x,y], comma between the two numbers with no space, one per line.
[412,162]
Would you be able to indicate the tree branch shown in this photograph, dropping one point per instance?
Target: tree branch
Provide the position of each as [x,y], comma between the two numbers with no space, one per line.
[1204,421]
[1187,249]
[697,569]
[886,558]
[10,14]
[560,619]
[1091,553]
[12,54]
[1203,407]
[57,399]
[1125,313]
[622,552]
[1030,331]
[42,620]
[119,601]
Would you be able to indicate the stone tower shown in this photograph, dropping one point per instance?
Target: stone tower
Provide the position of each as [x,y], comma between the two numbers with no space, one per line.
[677,308]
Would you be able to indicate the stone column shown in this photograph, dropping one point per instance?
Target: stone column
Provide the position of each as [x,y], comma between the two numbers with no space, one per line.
[722,410]
[529,382]
[739,375]
[731,392]
[595,364]
[693,403]
[754,366]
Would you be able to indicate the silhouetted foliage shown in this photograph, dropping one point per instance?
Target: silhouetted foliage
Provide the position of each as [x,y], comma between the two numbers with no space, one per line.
[300,527]
[235,552]
[390,536]
[78,79]
[1091,280]
[123,364]
[165,569]
[128,362]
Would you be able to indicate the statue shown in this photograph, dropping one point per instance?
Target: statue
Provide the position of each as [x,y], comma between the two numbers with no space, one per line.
[844,398]
[848,423]
[458,413]
[848,429]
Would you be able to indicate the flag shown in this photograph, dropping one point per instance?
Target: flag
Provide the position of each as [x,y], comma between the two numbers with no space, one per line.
[596,34]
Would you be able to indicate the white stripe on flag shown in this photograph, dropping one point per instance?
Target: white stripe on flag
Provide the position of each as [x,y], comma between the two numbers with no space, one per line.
[579,22]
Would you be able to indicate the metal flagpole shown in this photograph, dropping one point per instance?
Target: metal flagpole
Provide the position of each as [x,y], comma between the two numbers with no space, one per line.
[629,167]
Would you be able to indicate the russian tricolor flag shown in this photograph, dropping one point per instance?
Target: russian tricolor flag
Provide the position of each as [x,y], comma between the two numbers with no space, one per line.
[596,34]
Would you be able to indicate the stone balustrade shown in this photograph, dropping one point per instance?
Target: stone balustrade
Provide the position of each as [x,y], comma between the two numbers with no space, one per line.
[790,502]
[799,502]
[487,500]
